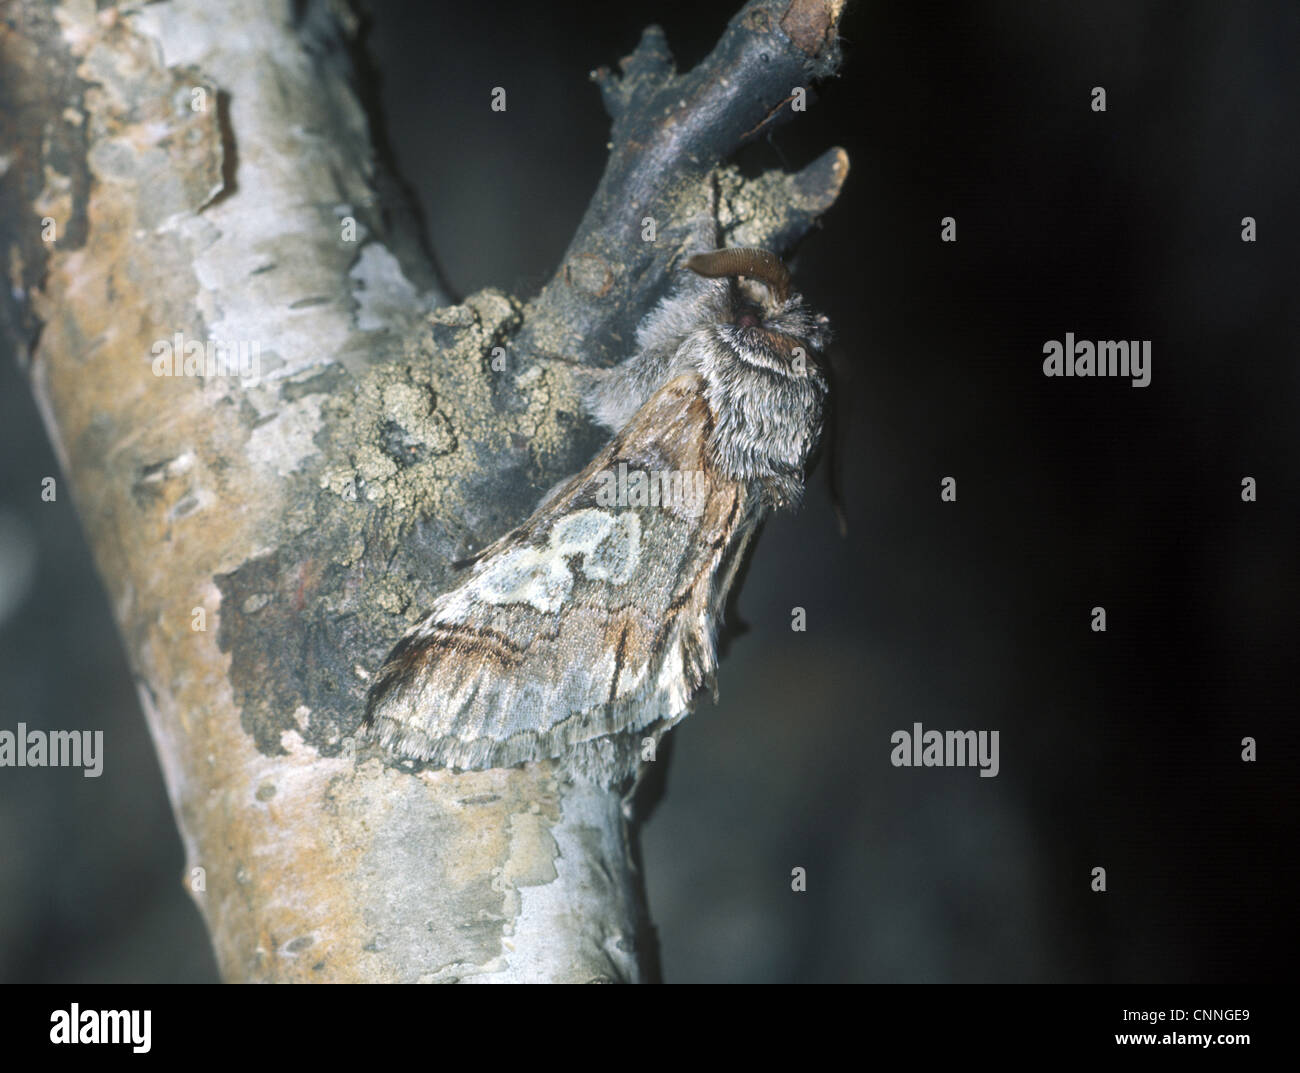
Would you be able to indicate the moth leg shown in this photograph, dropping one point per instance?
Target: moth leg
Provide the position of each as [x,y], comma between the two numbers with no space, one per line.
[650,778]
[735,556]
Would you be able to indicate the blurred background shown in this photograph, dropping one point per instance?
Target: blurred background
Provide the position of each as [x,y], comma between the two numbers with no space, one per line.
[1119,750]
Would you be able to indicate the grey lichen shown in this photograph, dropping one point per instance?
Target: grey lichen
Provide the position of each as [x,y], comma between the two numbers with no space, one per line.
[404,456]
[327,500]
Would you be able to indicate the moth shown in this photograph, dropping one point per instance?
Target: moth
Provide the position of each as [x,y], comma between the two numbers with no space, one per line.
[597,617]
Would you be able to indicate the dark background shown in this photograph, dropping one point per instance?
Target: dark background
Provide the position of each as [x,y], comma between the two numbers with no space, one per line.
[1119,749]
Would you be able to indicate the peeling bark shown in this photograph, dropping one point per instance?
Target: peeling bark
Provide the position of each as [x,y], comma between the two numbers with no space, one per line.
[201,164]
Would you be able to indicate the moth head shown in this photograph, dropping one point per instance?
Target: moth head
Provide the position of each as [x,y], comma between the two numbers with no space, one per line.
[762,320]
[762,370]
[738,323]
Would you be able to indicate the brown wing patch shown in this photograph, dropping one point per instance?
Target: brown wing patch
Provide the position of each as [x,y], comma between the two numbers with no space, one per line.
[588,619]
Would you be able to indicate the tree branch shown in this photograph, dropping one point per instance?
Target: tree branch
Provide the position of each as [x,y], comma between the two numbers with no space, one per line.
[265,538]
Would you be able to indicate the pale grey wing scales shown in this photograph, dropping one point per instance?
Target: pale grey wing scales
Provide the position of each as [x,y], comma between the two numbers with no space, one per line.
[594,616]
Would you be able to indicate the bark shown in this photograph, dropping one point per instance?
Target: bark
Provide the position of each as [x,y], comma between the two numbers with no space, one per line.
[264,539]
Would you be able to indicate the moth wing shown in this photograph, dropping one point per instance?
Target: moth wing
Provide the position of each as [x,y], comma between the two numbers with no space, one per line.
[596,615]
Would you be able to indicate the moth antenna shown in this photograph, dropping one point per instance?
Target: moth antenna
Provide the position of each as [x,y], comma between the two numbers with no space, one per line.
[762,265]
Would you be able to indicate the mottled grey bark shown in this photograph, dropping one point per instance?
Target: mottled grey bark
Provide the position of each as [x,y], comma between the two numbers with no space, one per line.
[265,538]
